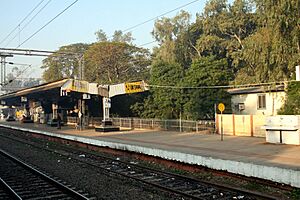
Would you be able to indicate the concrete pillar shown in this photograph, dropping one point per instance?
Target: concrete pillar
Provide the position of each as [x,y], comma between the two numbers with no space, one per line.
[298,73]
[54,110]
[106,107]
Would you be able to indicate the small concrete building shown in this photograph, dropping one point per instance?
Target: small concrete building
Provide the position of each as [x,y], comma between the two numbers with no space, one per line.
[260,100]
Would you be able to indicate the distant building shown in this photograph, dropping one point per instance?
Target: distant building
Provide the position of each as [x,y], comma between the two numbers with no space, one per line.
[261,100]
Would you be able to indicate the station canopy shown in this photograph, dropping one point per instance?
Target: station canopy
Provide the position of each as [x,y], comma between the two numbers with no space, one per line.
[51,91]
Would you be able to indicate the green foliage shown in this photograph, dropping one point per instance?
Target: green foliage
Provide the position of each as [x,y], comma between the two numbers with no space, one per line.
[247,41]
[101,36]
[118,36]
[207,71]
[107,61]
[166,31]
[272,52]
[58,65]
[292,103]
[164,103]
[190,103]
[295,194]
[243,42]
[115,62]
[122,104]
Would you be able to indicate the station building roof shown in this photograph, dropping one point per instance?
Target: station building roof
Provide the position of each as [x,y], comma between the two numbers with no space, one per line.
[56,90]
[258,89]
[50,91]
[35,89]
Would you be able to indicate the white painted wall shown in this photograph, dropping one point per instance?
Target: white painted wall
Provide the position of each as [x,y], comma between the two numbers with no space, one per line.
[274,101]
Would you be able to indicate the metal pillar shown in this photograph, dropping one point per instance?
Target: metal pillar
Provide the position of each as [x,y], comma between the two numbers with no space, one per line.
[83,119]
[3,67]
[81,67]
[81,114]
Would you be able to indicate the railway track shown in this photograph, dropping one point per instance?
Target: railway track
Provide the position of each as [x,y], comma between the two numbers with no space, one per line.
[18,180]
[174,183]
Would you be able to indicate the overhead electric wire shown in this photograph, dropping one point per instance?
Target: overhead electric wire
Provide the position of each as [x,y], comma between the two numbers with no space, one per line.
[32,51]
[47,23]
[154,18]
[28,22]
[219,86]
[22,72]
[124,31]
[23,20]
[145,44]
[151,19]
[13,63]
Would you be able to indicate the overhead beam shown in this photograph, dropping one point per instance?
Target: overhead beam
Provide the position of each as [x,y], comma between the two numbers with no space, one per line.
[35,51]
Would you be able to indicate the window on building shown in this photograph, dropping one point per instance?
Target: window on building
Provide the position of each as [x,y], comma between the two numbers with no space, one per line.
[261,101]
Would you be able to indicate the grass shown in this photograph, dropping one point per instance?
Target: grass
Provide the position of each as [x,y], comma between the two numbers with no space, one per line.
[295,194]
[255,187]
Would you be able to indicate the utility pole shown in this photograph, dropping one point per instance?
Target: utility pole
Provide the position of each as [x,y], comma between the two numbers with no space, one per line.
[81,101]
[81,67]
[3,67]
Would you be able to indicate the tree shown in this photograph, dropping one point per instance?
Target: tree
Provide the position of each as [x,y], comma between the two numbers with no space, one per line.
[118,36]
[101,36]
[114,59]
[164,103]
[64,63]
[167,68]
[206,71]
[115,62]
[292,102]
[272,52]
[166,31]
[224,29]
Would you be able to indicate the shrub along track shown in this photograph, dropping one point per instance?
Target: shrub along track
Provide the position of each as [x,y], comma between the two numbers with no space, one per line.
[174,183]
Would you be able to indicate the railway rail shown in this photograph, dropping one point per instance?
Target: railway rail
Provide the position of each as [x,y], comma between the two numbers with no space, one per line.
[19,180]
[173,183]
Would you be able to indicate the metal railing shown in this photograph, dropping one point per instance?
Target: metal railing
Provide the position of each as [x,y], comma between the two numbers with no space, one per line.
[170,125]
[87,121]
[157,124]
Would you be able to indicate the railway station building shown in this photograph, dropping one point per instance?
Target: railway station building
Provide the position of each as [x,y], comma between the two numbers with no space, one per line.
[44,103]
[66,99]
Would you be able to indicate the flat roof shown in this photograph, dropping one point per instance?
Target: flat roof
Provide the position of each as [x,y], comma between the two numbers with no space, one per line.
[258,89]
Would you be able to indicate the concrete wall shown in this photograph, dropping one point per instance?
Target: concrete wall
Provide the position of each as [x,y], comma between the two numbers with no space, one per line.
[241,125]
[274,101]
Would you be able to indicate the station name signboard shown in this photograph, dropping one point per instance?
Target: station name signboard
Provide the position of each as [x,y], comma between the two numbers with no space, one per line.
[80,86]
[134,87]
[127,88]
[103,90]
[74,86]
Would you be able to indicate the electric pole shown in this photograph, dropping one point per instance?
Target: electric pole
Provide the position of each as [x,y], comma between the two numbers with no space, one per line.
[3,67]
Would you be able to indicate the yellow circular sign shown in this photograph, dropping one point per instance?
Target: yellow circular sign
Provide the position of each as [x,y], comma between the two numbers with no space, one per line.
[221,107]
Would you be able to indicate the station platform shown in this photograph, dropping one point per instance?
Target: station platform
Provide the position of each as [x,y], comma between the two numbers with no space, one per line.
[249,156]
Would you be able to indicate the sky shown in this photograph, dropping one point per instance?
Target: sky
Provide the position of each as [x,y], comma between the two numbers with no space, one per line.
[79,23]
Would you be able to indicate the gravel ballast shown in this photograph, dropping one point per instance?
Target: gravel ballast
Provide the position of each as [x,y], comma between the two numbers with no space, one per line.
[96,182]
